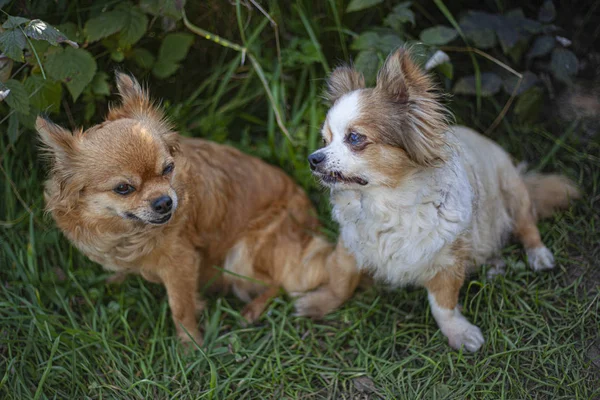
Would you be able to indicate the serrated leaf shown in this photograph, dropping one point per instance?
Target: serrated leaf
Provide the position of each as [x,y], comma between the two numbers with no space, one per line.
[162,8]
[367,62]
[357,5]
[45,94]
[135,25]
[490,85]
[529,80]
[105,24]
[74,67]
[446,69]
[39,30]
[100,84]
[542,46]
[18,99]
[547,12]
[12,43]
[564,64]
[12,22]
[438,35]
[143,58]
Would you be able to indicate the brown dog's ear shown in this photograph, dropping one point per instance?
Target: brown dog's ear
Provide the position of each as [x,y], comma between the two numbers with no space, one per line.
[135,102]
[59,143]
[343,80]
[425,119]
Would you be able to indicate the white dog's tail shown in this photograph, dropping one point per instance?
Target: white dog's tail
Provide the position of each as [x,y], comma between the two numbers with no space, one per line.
[549,192]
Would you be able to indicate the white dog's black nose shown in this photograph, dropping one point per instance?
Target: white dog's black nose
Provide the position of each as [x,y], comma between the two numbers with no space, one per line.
[162,205]
[315,159]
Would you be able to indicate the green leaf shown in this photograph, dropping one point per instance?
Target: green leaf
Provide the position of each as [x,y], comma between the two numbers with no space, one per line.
[117,55]
[173,49]
[529,80]
[135,25]
[39,30]
[75,67]
[373,41]
[564,64]
[400,15]
[12,43]
[100,84]
[45,94]
[542,46]
[162,8]
[367,62]
[143,58]
[547,12]
[105,24]
[529,104]
[18,98]
[357,5]
[13,22]
[490,85]
[13,128]
[438,35]
[446,69]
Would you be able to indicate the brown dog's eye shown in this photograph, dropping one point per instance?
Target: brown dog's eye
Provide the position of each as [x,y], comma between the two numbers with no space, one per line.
[168,169]
[124,189]
[355,139]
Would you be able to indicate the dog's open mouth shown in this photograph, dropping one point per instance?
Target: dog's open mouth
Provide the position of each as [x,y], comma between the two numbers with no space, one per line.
[338,177]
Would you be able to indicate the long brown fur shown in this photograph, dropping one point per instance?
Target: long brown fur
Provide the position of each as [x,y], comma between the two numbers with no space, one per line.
[234,211]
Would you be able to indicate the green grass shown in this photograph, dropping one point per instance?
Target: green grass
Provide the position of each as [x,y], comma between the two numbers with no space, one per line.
[65,334]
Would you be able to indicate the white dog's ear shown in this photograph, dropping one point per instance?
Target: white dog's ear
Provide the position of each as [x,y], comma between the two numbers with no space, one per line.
[424,119]
[343,80]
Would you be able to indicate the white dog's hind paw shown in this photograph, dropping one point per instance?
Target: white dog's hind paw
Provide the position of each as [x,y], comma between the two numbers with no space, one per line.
[540,258]
[463,333]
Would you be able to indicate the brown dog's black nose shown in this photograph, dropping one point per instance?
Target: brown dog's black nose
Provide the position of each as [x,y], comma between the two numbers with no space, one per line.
[315,159]
[162,205]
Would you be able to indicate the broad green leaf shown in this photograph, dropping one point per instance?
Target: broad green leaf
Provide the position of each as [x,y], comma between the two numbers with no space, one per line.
[365,41]
[117,55]
[39,30]
[18,99]
[100,84]
[143,58]
[490,85]
[12,43]
[162,8]
[45,94]
[12,22]
[71,31]
[564,64]
[438,35]
[400,15]
[482,35]
[135,25]
[547,12]
[105,24]
[75,67]
[173,49]
[542,46]
[175,46]
[367,62]
[357,5]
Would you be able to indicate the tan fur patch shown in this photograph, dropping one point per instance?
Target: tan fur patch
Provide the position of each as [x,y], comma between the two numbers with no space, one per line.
[445,285]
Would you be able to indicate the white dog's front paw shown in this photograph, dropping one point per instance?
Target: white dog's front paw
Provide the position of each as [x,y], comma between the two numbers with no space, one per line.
[463,333]
[540,258]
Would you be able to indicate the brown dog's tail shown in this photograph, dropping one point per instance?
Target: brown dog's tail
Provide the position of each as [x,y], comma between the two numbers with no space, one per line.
[549,192]
[338,274]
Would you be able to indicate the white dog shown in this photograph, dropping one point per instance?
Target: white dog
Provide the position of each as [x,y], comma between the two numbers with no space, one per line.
[419,202]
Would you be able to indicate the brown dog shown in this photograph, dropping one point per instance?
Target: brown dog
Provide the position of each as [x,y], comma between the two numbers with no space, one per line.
[136,197]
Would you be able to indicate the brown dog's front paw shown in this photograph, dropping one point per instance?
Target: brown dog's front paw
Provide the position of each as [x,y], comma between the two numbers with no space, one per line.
[191,342]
